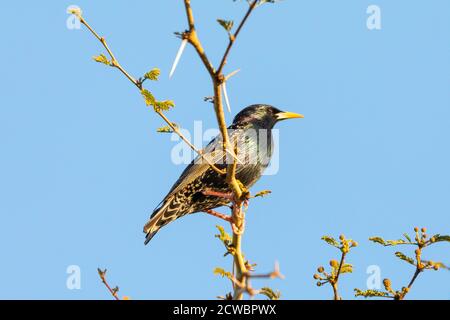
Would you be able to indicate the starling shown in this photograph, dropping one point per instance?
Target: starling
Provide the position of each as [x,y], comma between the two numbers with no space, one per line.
[251,133]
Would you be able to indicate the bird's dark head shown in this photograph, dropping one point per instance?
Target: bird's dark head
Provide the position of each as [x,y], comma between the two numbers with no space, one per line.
[263,116]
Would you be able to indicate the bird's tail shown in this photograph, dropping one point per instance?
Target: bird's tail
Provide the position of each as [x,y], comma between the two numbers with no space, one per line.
[159,218]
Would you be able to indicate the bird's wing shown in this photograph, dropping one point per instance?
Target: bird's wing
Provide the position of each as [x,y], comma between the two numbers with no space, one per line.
[196,168]
[214,152]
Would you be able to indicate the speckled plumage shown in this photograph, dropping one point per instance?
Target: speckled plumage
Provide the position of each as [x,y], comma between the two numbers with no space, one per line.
[254,152]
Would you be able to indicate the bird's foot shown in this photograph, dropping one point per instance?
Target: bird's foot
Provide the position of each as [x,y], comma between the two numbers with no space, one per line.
[228,196]
[238,230]
[219,215]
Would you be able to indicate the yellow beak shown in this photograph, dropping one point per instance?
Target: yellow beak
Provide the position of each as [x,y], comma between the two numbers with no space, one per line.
[288,115]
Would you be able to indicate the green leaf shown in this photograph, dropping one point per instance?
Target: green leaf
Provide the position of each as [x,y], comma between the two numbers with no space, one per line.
[378,240]
[370,293]
[395,242]
[389,243]
[407,237]
[148,97]
[223,236]
[166,129]
[331,241]
[346,268]
[223,273]
[403,257]
[163,105]
[262,193]
[226,24]
[102,59]
[153,74]
[271,294]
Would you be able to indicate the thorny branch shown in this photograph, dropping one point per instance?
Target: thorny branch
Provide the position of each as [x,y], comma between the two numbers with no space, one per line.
[232,37]
[240,194]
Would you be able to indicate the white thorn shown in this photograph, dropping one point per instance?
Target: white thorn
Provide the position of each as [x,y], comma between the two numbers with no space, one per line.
[234,155]
[232,74]
[178,56]
[225,94]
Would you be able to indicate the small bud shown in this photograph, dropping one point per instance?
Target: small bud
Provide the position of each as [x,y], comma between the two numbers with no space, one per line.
[75,11]
[320,269]
[387,284]
[424,230]
[436,267]
[319,283]
[334,263]
[354,244]
[342,237]
[406,290]
[316,276]
[433,239]
[416,229]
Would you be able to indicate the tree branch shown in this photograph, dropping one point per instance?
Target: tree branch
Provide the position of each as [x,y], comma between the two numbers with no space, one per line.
[102,274]
[233,37]
[192,37]
[114,62]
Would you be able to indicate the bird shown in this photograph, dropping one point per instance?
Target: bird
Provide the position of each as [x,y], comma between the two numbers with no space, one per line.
[251,132]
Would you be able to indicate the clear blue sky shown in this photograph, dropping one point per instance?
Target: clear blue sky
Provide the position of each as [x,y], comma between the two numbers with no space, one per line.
[82,168]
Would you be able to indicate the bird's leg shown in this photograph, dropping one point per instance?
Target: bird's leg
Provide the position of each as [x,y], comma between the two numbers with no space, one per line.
[228,196]
[219,215]
[224,195]
[227,218]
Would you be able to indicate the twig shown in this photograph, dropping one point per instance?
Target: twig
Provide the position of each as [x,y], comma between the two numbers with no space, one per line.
[272,275]
[102,274]
[335,280]
[114,61]
[233,37]
[138,84]
[244,285]
[192,37]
